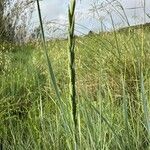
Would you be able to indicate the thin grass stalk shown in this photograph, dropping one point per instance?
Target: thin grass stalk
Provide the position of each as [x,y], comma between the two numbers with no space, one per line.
[126,18]
[71,47]
[144,9]
[115,35]
[125,110]
[123,16]
[145,104]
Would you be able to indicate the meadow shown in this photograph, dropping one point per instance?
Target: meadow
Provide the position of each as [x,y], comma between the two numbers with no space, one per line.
[112,91]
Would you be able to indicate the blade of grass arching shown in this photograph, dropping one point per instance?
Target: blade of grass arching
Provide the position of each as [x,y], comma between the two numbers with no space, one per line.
[60,104]
[126,18]
[51,72]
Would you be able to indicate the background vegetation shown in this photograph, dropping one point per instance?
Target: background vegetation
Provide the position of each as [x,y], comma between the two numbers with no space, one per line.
[112,93]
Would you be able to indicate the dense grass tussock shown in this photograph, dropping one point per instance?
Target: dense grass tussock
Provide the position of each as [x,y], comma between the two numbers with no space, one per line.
[113,91]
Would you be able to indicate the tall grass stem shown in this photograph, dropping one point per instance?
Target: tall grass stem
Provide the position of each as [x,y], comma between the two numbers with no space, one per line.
[71,47]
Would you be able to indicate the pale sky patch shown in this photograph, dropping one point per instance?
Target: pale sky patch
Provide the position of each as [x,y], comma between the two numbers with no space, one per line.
[57,10]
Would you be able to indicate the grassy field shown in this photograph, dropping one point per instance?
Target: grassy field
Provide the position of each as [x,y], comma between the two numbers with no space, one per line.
[113,92]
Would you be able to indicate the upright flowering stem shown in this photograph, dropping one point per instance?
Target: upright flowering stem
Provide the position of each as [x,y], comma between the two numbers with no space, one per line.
[71,47]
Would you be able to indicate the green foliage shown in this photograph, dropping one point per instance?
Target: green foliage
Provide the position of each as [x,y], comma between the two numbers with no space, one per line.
[112,93]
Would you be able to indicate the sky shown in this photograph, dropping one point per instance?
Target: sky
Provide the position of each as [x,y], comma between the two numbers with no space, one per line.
[87,19]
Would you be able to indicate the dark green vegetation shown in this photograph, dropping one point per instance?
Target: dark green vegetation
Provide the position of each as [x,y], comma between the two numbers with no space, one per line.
[113,91]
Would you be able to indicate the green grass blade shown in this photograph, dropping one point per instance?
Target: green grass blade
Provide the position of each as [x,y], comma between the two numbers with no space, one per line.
[51,72]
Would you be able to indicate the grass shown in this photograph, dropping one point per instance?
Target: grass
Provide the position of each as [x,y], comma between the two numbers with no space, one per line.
[112,90]
[71,66]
